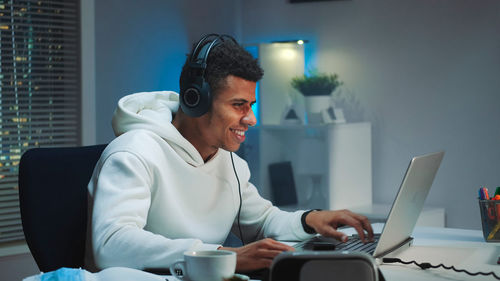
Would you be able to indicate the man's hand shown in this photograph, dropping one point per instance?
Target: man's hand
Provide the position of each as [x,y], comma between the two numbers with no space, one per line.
[257,255]
[327,222]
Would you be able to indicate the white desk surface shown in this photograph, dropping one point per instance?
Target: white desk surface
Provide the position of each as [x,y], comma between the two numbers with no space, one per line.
[462,248]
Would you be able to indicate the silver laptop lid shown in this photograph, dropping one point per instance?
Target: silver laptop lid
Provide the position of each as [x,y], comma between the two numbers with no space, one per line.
[409,202]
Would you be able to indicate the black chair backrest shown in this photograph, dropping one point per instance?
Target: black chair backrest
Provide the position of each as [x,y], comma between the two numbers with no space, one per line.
[53,202]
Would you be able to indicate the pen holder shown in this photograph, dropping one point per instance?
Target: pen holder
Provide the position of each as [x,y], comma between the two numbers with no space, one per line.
[490,219]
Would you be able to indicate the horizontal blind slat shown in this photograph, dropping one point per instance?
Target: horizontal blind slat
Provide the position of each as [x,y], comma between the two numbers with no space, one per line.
[9,185]
[60,5]
[37,26]
[4,222]
[65,141]
[9,192]
[10,228]
[43,52]
[9,210]
[6,198]
[10,217]
[9,204]
[18,237]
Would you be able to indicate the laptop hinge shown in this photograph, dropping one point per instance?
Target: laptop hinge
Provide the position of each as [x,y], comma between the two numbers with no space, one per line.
[394,251]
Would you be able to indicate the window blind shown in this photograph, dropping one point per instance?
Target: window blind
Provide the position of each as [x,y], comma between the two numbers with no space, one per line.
[39,90]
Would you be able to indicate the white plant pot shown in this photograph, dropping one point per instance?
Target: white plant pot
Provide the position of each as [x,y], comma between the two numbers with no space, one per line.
[315,104]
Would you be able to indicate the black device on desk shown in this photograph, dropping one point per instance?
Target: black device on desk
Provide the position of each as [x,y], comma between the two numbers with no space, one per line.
[324,266]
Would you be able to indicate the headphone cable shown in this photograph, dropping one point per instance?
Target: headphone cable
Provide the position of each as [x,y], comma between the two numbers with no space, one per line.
[239,191]
[426,265]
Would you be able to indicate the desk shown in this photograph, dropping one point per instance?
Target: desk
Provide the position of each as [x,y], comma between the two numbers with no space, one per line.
[465,249]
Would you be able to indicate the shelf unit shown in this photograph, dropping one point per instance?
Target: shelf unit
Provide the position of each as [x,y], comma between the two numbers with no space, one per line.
[334,158]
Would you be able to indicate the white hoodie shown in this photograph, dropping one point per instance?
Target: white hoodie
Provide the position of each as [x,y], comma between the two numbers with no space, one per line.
[152,196]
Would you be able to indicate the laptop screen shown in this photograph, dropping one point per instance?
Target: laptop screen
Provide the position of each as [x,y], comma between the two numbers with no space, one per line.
[409,202]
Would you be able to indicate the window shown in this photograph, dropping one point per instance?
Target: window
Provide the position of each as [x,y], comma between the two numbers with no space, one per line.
[40,90]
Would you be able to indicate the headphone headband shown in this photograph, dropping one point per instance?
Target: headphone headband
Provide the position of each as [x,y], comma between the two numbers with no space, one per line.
[195,55]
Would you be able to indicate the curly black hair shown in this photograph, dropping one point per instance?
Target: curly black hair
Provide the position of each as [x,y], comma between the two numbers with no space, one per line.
[226,58]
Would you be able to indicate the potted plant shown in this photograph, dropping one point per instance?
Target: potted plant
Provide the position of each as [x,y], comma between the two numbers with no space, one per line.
[316,89]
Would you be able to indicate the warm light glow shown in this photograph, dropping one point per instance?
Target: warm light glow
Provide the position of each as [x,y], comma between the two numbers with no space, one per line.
[288,54]
[300,42]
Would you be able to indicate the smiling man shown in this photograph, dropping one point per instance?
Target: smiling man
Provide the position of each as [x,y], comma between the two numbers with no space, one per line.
[223,126]
[170,183]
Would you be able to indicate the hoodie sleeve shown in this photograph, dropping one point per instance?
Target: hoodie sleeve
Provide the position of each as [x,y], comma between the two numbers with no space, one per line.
[260,219]
[121,196]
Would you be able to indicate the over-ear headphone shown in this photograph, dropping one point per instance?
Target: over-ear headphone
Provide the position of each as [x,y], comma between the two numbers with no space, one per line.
[195,96]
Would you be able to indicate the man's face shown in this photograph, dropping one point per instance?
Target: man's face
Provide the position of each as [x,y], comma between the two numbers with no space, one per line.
[231,114]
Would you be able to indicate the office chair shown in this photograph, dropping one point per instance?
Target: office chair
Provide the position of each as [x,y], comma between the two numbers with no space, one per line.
[53,202]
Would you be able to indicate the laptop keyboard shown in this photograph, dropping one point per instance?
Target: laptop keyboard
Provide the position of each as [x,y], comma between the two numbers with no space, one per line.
[355,244]
[329,244]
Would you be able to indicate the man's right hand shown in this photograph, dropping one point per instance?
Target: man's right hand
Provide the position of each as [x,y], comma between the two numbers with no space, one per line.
[257,255]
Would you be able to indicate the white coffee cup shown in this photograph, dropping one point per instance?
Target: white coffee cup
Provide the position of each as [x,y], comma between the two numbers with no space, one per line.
[205,265]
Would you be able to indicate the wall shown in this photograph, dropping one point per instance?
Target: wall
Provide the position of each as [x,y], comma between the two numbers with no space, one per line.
[136,45]
[142,47]
[17,267]
[425,73]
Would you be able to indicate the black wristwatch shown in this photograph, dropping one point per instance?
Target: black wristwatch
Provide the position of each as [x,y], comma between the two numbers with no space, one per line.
[305,226]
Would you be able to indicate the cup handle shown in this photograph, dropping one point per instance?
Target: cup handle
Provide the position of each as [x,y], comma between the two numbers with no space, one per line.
[174,269]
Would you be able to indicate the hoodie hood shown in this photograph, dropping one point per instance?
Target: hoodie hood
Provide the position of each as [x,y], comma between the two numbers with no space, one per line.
[153,111]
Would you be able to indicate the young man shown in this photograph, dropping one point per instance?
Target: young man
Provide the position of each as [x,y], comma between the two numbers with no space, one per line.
[168,184]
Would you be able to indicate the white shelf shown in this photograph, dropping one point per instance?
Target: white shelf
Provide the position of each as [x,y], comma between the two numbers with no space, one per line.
[338,154]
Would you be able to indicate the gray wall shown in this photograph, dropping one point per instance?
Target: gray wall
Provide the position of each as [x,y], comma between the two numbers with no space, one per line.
[17,267]
[141,46]
[425,73]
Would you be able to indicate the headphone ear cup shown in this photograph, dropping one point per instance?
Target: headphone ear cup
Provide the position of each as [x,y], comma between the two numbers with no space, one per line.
[196,99]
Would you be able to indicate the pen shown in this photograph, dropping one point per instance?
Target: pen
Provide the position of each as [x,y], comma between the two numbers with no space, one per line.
[486,195]
[494,231]
[481,193]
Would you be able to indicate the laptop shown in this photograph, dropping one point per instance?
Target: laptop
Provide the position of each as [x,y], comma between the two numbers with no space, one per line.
[402,218]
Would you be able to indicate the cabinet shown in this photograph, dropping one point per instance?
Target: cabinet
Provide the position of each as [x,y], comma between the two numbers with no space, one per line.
[331,162]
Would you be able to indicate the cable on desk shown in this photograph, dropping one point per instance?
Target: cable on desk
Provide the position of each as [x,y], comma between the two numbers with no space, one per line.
[426,265]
